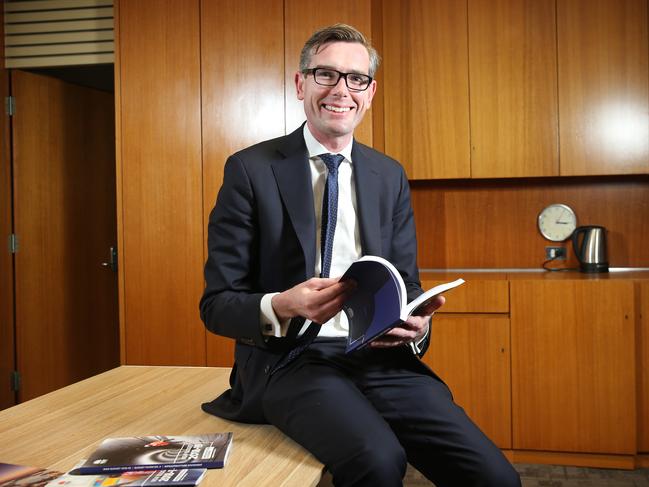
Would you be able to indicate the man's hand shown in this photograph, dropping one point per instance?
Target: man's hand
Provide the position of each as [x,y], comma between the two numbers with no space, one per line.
[412,330]
[318,299]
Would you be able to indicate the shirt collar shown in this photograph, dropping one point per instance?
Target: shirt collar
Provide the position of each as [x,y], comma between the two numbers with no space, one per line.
[315,148]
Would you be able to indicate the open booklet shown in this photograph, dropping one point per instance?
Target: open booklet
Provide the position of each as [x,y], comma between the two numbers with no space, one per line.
[379,302]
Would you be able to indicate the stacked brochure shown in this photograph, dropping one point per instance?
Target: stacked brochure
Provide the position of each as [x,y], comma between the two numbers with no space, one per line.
[163,461]
[157,453]
[181,477]
[12,475]
[379,301]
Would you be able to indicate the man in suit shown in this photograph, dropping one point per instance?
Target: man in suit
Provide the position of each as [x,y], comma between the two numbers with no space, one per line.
[309,204]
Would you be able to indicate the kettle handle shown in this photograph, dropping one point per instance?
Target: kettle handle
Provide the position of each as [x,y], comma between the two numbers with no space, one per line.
[575,237]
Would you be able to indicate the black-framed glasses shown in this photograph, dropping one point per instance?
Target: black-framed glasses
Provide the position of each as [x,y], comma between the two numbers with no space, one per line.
[331,77]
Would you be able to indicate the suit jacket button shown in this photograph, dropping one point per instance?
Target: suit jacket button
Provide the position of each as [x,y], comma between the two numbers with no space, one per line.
[266,369]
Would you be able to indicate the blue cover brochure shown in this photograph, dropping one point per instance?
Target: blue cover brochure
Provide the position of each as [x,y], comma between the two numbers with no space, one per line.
[378,302]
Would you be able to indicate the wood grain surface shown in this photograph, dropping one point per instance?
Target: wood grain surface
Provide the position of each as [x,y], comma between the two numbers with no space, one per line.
[573,366]
[161,182]
[426,90]
[513,86]
[603,86]
[59,429]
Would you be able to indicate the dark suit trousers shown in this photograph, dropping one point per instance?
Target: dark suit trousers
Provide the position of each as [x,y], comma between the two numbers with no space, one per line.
[365,415]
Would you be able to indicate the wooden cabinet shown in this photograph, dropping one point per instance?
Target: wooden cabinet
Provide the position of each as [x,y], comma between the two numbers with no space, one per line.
[642,303]
[470,351]
[573,365]
[471,354]
[512,73]
[550,366]
[425,87]
[603,86]
[548,88]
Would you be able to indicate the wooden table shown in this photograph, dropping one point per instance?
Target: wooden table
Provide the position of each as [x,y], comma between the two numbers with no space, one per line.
[58,429]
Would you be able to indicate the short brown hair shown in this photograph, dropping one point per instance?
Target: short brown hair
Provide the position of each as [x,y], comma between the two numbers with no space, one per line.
[337,33]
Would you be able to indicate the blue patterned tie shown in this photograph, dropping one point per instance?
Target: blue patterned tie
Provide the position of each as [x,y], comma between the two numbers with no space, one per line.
[329,211]
[329,216]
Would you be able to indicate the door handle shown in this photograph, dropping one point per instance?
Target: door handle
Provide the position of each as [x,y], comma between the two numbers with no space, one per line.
[112,259]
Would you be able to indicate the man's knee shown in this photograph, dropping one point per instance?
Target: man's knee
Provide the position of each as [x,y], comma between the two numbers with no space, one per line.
[377,465]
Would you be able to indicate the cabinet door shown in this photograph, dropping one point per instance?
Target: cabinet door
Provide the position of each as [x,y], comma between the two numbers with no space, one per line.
[513,86]
[242,79]
[471,354]
[160,181]
[642,293]
[425,87]
[603,86]
[573,363]
[303,18]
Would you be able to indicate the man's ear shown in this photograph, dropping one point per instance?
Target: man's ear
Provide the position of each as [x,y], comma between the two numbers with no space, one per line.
[299,85]
[372,91]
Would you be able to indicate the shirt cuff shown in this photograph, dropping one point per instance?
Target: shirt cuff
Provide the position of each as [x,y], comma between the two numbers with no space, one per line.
[415,347]
[270,325]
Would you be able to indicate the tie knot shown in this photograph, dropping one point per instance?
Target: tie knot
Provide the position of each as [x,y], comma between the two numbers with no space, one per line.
[332,161]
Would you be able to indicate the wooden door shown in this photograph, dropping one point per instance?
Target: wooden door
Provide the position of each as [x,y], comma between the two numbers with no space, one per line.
[573,363]
[603,86]
[513,86]
[7,349]
[471,354]
[426,89]
[160,181]
[242,85]
[64,210]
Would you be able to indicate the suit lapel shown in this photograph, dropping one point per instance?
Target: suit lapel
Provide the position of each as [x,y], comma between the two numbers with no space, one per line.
[367,181]
[293,177]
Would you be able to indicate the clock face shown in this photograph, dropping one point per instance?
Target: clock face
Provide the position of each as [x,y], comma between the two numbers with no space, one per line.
[557,222]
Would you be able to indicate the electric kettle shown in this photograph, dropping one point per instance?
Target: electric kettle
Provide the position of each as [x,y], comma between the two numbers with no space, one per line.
[591,248]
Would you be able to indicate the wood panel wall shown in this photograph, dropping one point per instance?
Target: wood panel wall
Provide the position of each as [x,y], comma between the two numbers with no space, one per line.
[206,78]
[604,123]
[430,69]
[492,224]
[161,174]
[250,110]
[512,73]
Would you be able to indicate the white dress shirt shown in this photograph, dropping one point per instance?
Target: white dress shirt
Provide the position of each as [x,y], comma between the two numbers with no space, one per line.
[347,241]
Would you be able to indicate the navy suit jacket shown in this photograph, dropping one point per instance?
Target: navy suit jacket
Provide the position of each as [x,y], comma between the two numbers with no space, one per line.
[261,239]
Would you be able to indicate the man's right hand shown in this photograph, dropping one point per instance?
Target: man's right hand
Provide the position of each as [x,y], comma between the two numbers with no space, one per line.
[318,299]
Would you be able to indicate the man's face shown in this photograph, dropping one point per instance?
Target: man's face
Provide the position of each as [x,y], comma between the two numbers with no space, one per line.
[333,112]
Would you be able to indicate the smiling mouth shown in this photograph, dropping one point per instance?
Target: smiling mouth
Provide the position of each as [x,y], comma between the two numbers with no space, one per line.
[332,108]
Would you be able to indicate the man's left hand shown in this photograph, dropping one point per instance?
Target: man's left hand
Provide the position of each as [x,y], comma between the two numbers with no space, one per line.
[412,330]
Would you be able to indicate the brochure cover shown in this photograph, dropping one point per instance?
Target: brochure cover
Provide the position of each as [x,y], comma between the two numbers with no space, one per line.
[158,453]
[20,476]
[378,303]
[181,477]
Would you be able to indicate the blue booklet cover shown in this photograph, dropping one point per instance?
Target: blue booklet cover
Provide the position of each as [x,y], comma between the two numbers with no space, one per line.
[157,453]
[378,303]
